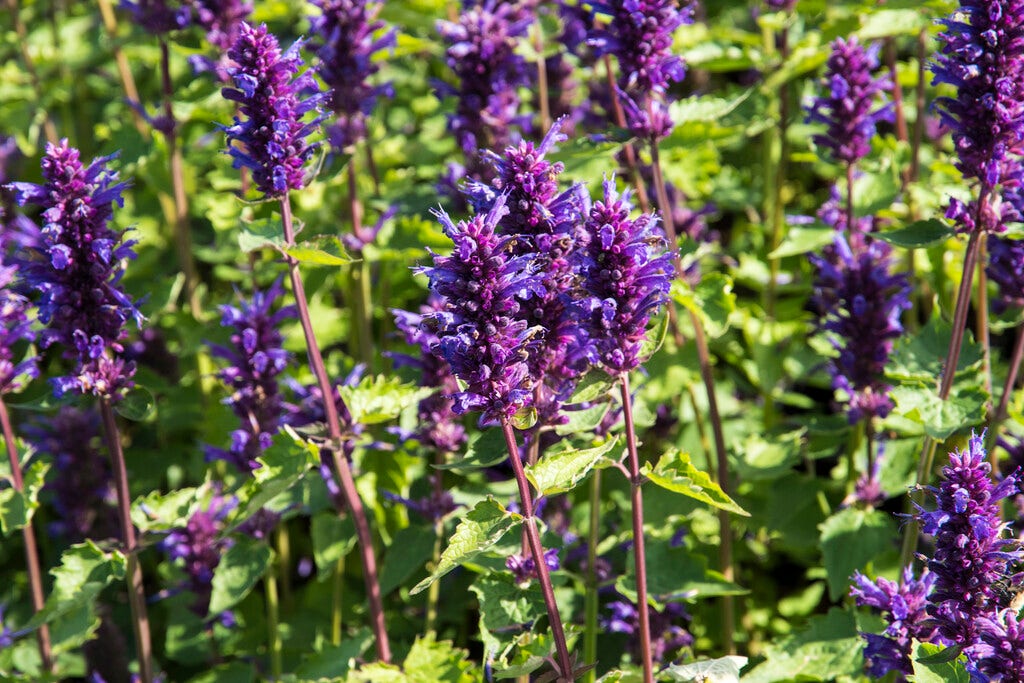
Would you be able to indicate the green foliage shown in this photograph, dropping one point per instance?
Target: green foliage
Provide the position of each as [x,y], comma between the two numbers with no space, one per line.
[241,567]
[936,664]
[849,540]
[380,399]
[829,648]
[17,507]
[563,469]
[675,472]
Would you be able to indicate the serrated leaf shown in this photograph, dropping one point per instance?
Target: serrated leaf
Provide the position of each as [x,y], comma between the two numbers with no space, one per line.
[653,339]
[674,572]
[722,670]
[324,250]
[922,357]
[561,471]
[240,568]
[335,661]
[17,507]
[410,550]
[161,511]
[380,399]
[849,540]
[918,235]
[486,449]
[281,467]
[333,538]
[803,239]
[712,301]
[479,530]
[583,421]
[258,235]
[506,611]
[704,108]
[940,419]
[593,386]
[675,472]
[929,667]
[433,661]
[84,571]
[829,649]
[138,405]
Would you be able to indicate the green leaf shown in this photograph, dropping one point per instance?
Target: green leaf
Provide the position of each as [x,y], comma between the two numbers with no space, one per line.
[324,250]
[409,551]
[849,540]
[922,357]
[712,301]
[918,235]
[561,471]
[583,421]
[161,511]
[261,234]
[281,467]
[882,23]
[334,661]
[940,419]
[84,571]
[479,530]
[381,399]
[506,611]
[17,507]
[593,386]
[677,473]
[828,649]
[138,405]
[240,568]
[704,108]
[525,418]
[675,572]
[722,670]
[432,661]
[802,239]
[232,672]
[653,339]
[485,449]
[874,192]
[333,538]
[933,665]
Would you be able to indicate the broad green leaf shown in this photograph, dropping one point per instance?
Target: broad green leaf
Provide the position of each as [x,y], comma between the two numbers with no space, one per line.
[506,611]
[161,511]
[849,540]
[874,192]
[258,235]
[485,449]
[922,357]
[378,673]
[380,399]
[409,551]
[281,467]
[829,649]
[525,418]
[882,23]
[17,507]
[677,473]
[232,672]
[138,405]
[84,571]
[674,573]
[928,670]
[333,538]
[479,530]
[583,421]
[325,250]
[432,661]
[704,108]
[593,386]
[722,670]
[712,301]
[918,235]
[940,419]
[801,239]
[802,60]
[654,338]
[335,661]
[240,568]
[561,471]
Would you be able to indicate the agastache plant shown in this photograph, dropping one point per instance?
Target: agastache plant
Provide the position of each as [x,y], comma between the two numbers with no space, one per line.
[271,140]
[483,335]
[85,310]
[626,269]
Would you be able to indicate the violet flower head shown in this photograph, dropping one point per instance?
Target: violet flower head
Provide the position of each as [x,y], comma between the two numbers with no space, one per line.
[347,36]
[255,360]
[199,545]
[982,56]
[481,53]
[15,331]
[159,17]
[971,556]
[78,277]
[524,569]
[627,272]
[781,5]
[274,101]
[860,301]
[1006,269]
[1003,635]
[854,103]
[222,20]
[668,634]
[481,329]
[903,606]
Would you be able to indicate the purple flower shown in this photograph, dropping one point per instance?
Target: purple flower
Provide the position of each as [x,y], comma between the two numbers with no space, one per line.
[848,108]
[1006,269]
[78,277]
[347,38]
[1003,635]
[971,555]
[15,331]
[255,359]
[524,569]
[627,272]
[481,328]
[199,545]
[221,19]
[777,5]
[80,481]
[860,301]
[271,141]
[667,635]
[481,53]
[159,16]
[903,605]
[833,214]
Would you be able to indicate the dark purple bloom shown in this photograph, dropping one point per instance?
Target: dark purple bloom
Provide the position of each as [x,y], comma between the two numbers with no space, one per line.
[78,277]
[271,141]
[15,332]
[786,5]
[1003,634]
[627,272]
[481,328]
[481,53]
[7,634]
[667,634]
[80,480]
[860,302]
[849,107]
[347,37]
[159,16]
[971,556]
[199,545]
[524,569]
[255,359]
[1006,269]
[260,525]
[221,19]
[903,605]
[833,214]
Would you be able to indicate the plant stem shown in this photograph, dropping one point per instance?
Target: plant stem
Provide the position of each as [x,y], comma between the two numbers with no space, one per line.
[542,76]
[341,464]
[776,153]
[35,575]
[360,272]
[136,592]
[533,537]
[49,129]
[337,600]
[284,563]
[897,90]
[982,322]
[632,163]
[869,439]
[434,592]
[123,70]
[273,612]
[591,600]
[1001,412]
[371,166]
[919,104]
[639,553]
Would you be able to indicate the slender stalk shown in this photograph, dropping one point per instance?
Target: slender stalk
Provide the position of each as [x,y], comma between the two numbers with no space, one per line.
[360,272]
[850,216]
[982,322]
[371,166]
[341,464]
[123,71]
[897,90]
[273,632]
[919,104]
[337,600]
[434,592]
[639,553]
[776,152]
[632,163]
[1011,382]
[136,592]
[533,537]
[869,443]
[591,602]
[49,129]
[284,564]
[35,575]
[542,76]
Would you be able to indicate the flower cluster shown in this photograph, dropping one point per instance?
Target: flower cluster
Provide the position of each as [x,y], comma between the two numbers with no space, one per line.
[271,141]
[199,545]
[15,330]
[78,277]
[480,328]
[347,35]
[849,109]
[903,605]
[221,19]
[159,16]
[524,569]
[255,359]
[970,556]
[1006,269]
[481,52]
[1003,636]
[667,635]
[627,272]
[860,301]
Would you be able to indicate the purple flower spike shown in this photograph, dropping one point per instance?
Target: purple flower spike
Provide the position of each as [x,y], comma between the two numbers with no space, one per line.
[627,273]
[78,277]
[848,109]
[159,16]
[1003,634]
[271,141]
[971,556]
[255,360]
[199,545]
[15,330]
[480,328]
[903,605]
[860,302]
[524,569]
[222,20]
[347,37]
[1006,269]
[667,634]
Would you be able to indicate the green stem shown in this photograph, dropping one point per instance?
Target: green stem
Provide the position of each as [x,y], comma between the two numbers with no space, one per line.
[284,564]
[273,632]
[337,600]
[434,592]
[591,600]
[361,272]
